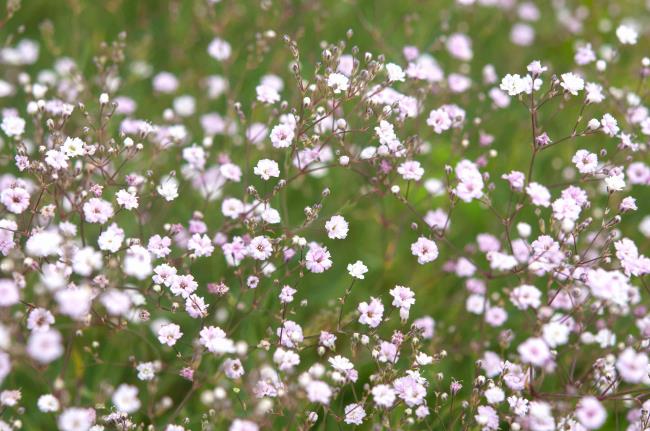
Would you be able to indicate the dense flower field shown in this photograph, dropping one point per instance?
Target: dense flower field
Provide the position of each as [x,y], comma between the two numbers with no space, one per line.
[250,215]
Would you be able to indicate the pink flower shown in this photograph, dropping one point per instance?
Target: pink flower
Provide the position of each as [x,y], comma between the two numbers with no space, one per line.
[169,334]
[97,210]
[487,418]
[290,334]
[411,170]
[371,313]
[410,390]
[591,413]
[260,248]
[403,297]
[354,414]
[214,339]
[534,351]
[15,199]
[632,367]
[539,195]
[439,120]
[201,245]
[317,259]
[425,249]
[516,179]
[282,135]
[45,346]
[586,162]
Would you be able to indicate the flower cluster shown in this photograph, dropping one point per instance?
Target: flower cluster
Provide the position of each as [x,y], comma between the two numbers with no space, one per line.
[242,267]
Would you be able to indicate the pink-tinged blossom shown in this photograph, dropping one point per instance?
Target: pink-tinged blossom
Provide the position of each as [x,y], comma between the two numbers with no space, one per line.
[426,325]
[169,334]
[609,125]
[439,120]
[159,246]
[470,185]
[200,245]
[125,399]
[395,73]
[591,413]
[403,297]
[586,162]
[459,45]
[425,250]
[319,392]
[127,199]
[632,366]
[9,293]
[410,389]
[7,229]
[286,294]
[535,351]
[196,307]
[15,199]
[219,49]
[354,414]
[260,248]
[317,259]
[45,346]
[411,170]
[516,180]
[633,263]
[282,135]
[487,418]
[97,210]
[76,419]
[539,195]
[290,334]
[267,94]
[40,319]
[214,339]
[286,360]
[233,368]
[371,313]
[383,396]
[615,180]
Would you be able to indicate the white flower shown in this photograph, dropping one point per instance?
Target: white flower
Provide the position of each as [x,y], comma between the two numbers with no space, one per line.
[266,169]
[73,147]
[395,73]
[357,269]
[219,49]
[338,82]
[627,35]
[126,399]
[267,94]
[168,188]
[572,83]
[282,135]
[48,403]
[337,227]
[513,84]
[615,181]
[13,126]
[169,334]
